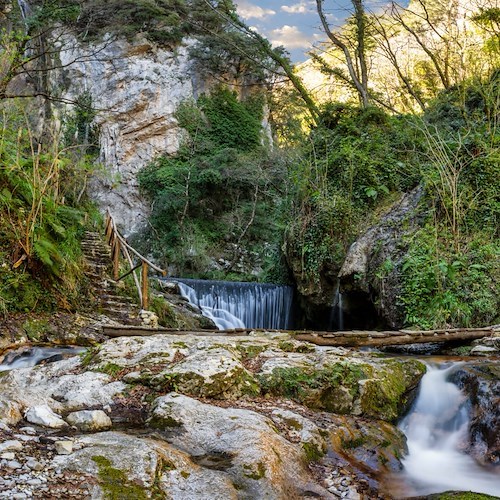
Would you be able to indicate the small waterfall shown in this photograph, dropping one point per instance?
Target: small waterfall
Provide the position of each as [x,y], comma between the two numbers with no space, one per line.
[25,358]
[436,430]
[25,9]
[241,305]
[337,314]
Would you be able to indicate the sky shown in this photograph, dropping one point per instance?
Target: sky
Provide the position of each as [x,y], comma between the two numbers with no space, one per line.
[294,23]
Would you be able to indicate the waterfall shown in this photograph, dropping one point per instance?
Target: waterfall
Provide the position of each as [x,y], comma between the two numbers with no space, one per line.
[436,429]
[337,314]
[241,305]
[25,9]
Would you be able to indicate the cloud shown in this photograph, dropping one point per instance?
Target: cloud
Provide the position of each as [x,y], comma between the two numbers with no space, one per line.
[297,8]
[290,37]
[248,10]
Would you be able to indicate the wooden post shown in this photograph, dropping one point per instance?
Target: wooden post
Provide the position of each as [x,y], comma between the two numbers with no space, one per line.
[116,258]
[144,286]
[109,230]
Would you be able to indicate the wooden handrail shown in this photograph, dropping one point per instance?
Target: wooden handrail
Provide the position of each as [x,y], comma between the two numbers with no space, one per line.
[119,245]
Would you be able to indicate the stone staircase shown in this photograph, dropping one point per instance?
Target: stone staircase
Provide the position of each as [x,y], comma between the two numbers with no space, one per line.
[111,299]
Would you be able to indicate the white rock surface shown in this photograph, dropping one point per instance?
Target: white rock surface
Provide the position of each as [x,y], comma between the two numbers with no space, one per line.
[11,445]
[55,386]
[260,461]
[138,87]
[44,416]
[64,447]
[89,420]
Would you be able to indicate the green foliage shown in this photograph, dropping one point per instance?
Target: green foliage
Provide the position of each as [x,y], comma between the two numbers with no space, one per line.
[216,195]
[40,224]
[354,161]
[451,274]
[165,22]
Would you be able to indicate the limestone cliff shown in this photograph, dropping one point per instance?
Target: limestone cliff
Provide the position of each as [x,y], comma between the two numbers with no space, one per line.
[135,88]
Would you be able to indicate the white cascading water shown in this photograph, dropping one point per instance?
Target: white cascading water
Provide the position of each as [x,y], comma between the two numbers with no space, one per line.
[436,429]
[240,305]
[25,9]
[32,357]
[337,314]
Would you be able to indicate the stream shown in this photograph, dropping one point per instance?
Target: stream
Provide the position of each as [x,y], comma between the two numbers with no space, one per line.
[437,430]
[436,427]
[27,357]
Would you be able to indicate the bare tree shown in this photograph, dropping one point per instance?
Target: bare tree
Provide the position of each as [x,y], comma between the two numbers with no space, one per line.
[356,60]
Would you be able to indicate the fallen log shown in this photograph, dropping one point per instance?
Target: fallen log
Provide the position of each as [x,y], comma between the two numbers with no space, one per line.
[377,339]
[355,338]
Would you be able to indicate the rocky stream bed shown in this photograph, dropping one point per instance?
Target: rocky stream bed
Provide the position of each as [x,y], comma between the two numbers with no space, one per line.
[186,417]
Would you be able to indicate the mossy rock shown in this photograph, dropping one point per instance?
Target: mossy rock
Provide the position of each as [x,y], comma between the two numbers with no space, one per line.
[332,387]
[456,495]
[392,389]
[378,446]
[225,385]
[114,482]
[383,390]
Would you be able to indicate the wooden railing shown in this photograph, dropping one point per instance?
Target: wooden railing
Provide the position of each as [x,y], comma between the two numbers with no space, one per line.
[120,247]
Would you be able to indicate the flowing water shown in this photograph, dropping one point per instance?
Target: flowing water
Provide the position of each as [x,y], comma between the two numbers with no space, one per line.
[437,430]
[336,322]
[25,358]
[241,305]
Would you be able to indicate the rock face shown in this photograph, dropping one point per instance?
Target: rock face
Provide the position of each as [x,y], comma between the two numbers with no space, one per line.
[368,279]
[136,88]
[372,264]
[481,382]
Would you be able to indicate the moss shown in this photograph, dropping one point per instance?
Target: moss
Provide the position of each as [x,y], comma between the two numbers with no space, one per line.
[332,387]
[287,346]
[256,474]
[110,369]
[294,424]
[313,453]
[388,395]
[250,351]
[36,329]
[351,444]
[460,495]
[180,345]
[163,422]
[89,355]
[167,465]
[115,484]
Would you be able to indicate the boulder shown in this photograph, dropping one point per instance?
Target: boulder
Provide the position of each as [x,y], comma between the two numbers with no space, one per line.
[89,420]
[242,443]
[130,467]
[481,383]
[374,388]
[44,416]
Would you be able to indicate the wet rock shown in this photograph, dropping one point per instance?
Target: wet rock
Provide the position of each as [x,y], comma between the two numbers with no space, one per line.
[44,416]
[89,420]
[481,383]
[376,447]
[483,350]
